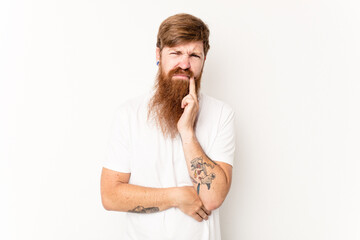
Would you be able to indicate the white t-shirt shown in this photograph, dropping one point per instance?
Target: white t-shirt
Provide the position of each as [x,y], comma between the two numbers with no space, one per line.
[139,147]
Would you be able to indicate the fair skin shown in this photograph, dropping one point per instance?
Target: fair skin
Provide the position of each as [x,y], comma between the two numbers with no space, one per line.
[210,187]
[187,56]
[212,179]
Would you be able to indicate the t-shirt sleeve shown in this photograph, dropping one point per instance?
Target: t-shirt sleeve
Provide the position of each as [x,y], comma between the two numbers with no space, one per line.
[119,149]
[223,147]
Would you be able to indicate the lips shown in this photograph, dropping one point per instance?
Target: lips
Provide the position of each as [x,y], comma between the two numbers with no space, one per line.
[181,75]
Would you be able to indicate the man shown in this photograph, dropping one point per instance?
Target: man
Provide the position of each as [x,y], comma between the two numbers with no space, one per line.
[171,151]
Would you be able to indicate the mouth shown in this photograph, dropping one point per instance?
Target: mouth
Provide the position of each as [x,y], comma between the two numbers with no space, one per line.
[183,76]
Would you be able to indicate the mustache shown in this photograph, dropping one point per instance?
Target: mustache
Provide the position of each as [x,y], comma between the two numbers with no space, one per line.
[179,70]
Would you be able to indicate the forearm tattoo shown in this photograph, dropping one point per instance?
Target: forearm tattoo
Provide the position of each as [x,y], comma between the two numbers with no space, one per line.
[193,180]
[141,209]
[201,176]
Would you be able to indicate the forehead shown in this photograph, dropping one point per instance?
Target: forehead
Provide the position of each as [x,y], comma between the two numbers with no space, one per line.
[195,46]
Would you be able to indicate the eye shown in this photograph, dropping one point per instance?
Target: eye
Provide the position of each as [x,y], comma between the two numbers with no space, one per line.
[174,53]
[194,55]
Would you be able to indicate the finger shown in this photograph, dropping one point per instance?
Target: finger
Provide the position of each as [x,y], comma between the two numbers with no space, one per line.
[197,217]
[186,100]
[208,212]
[192,87]
[202,214]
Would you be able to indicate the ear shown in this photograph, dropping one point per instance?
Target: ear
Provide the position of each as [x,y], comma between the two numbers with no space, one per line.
[157,54]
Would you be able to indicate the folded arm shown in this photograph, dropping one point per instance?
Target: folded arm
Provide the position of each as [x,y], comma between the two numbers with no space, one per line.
[211,179]
[118,195]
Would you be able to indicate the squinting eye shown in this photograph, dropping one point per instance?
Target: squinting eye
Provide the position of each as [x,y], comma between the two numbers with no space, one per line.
[195,56]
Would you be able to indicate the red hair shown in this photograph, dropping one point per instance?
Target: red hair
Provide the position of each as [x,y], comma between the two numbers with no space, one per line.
[182,28]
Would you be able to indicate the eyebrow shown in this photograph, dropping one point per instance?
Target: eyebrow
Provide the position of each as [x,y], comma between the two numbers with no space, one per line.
[197,53]
[179,51]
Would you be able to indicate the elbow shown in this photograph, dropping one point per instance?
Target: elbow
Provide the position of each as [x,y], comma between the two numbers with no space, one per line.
[215,201]
[105,203]
[213,204]
[111,199]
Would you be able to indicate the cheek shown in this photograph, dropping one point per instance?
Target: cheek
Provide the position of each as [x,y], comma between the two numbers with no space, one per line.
[166,67]
[169,65]
[197,68]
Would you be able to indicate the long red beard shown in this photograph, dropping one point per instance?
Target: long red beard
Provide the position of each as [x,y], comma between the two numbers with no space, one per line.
[165,105]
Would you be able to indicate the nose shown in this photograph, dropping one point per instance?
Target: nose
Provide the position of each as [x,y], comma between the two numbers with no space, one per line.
[185,62]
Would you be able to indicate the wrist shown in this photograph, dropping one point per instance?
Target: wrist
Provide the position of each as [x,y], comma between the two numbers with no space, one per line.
[174,196]
[187,136]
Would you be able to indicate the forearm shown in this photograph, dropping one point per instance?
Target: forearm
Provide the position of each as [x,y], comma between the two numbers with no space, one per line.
[209,179]
[126,197]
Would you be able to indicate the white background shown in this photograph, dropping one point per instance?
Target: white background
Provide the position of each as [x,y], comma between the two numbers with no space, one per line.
[290,70]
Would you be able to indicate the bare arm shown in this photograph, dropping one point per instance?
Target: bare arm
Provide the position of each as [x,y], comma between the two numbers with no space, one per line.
[118,195]
[211,179]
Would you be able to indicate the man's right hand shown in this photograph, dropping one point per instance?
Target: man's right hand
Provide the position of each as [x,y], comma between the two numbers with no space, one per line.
[118,195]
[190,203]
